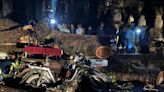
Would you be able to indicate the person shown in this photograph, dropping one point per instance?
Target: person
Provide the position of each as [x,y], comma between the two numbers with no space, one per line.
[30,35]
[72,28]
[142,35]
[124,35]
[130,40]
[156,33]
[121,41]
[90,31]
[63,28]
[80,30]
[117,24]
[101,29]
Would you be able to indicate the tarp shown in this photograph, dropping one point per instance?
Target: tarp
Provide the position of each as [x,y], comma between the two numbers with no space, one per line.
[43,50]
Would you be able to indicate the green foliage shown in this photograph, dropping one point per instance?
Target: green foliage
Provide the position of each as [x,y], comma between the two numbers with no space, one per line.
[111,77]
[14,68]
[49,36]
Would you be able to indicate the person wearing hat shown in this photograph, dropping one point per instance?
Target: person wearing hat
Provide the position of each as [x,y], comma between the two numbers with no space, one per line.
[142,35]
[129,40]
[156,33]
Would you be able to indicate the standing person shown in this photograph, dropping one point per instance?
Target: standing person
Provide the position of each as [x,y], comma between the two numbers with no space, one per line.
[142,35]
[63,28]
[117,23]
[72,28]
[129,35]
[156,33]
[130,40]
[80,30]
[101,29]
[90,31]
[127,27]
[144,40]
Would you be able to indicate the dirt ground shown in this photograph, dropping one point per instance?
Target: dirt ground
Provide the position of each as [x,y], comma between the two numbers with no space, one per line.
[9,89]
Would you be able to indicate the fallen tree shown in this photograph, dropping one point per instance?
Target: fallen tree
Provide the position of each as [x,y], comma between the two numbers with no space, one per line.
[10,32]
[125,67]
[70,43]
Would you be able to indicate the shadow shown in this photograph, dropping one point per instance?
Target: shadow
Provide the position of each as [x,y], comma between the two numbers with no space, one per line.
[14,83]
[11,28]
[104,40]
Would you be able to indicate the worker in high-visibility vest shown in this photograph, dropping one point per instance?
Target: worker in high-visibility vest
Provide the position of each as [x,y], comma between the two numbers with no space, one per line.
[30,36]
[14,68]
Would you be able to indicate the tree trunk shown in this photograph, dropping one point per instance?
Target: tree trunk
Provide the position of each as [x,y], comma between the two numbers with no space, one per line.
[7,7]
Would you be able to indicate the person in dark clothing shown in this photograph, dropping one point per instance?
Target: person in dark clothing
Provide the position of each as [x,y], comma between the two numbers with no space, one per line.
[101,29]
[90,31]
[72,28]
[144,39]
[121,40]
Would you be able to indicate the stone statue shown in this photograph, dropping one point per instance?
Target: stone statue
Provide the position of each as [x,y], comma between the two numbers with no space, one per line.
[156,32]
